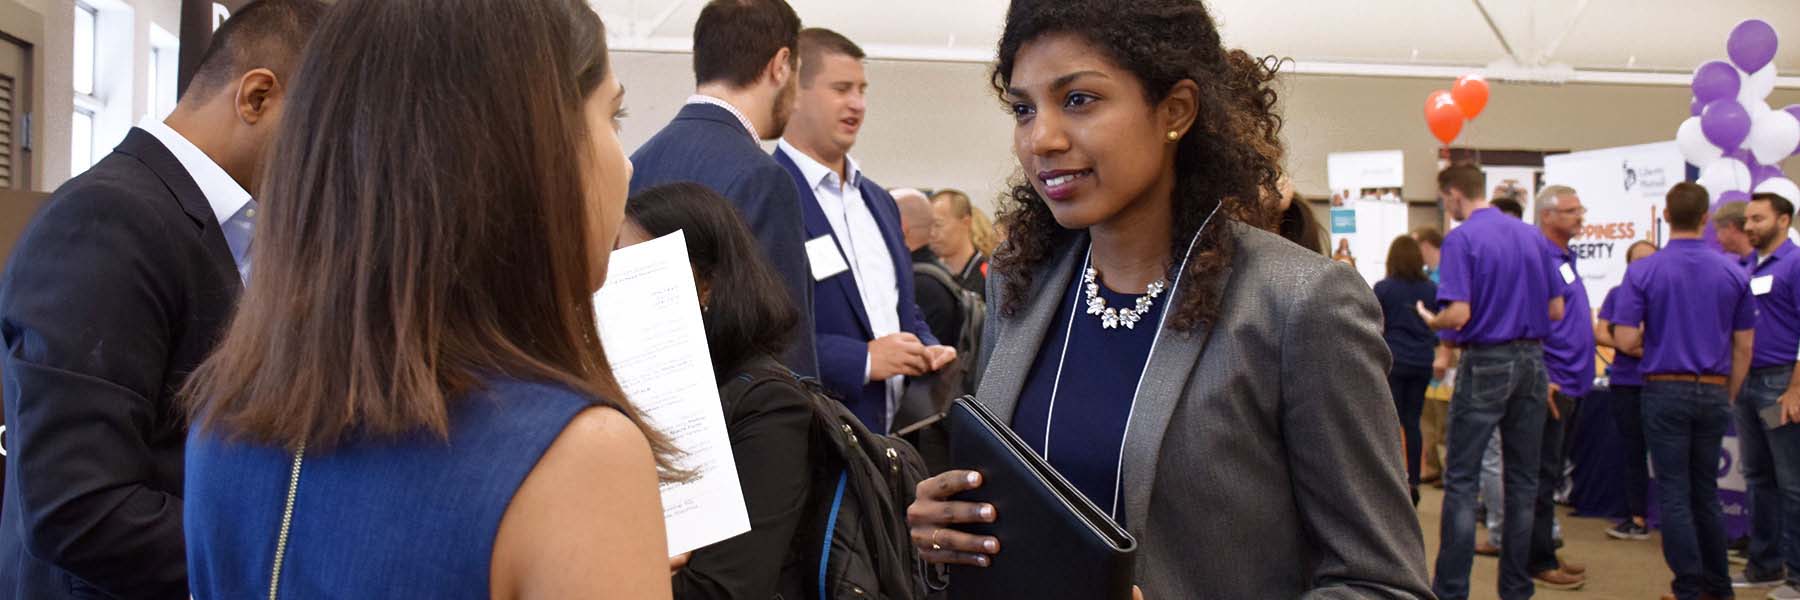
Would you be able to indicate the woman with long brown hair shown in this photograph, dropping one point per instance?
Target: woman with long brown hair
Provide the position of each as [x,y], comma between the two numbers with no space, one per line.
[1217,389]
[412,400]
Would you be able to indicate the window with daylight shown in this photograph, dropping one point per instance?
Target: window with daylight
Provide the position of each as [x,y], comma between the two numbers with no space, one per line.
[83,130]
[87,104]
[86,47]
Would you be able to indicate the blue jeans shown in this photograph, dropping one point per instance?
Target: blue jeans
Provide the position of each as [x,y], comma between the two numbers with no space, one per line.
[1684,424]
[1493,490]
[1771,461]
[1497,387]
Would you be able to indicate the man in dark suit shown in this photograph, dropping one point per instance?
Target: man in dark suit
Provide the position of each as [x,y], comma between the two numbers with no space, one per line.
[745,64]
[113,295]
[869,333]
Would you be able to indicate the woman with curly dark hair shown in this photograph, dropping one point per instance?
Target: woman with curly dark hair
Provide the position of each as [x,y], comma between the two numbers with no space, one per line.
[1217,389]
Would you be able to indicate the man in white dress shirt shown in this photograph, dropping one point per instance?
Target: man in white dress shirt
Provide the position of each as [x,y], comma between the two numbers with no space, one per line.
[869,331]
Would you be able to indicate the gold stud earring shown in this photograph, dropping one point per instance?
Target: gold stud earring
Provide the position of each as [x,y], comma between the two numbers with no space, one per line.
[1174,135]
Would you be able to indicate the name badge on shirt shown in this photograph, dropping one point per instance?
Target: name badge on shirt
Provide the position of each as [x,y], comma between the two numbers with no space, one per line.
[826,261]
[1762,285]
[1568,274]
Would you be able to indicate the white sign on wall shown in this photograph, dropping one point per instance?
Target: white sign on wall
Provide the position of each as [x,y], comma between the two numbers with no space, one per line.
[1518,183]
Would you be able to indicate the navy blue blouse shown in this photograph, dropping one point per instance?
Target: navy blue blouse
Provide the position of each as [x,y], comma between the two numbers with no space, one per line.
[1409,340]
[1078,421]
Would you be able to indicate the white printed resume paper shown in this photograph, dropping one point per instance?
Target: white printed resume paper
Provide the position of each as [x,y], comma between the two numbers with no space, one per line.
[649,317]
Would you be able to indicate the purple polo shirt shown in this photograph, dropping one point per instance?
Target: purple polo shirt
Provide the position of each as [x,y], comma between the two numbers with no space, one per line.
[1625,366]
[1690,299]
[1569,351]
[1776,285]
[1506,271]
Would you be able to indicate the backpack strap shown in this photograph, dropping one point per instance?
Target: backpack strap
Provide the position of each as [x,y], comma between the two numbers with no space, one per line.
[837,503]
[939,274]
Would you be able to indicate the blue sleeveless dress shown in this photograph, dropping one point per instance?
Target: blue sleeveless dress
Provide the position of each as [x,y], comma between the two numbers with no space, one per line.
[408,518]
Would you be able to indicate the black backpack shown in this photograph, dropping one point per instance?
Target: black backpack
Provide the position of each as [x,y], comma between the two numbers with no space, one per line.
[968,304]
[854,542]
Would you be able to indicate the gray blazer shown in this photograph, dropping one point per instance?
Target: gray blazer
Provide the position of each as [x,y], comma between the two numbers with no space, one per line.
[1263,458]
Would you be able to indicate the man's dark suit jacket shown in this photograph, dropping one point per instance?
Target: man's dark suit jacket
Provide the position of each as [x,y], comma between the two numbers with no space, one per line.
[114,295]
[706,144]
[842,324]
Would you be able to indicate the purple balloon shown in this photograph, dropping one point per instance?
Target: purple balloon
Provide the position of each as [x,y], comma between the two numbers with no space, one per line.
[1716,80]
[1725,124]
[1752,45]
[1732,196]
[1694,106]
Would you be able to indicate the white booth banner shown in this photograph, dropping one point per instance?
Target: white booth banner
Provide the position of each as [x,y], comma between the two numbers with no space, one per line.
[1367,212]
[1623,190]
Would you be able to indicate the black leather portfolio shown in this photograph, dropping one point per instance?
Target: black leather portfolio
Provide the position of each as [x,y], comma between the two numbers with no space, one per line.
[1054,543]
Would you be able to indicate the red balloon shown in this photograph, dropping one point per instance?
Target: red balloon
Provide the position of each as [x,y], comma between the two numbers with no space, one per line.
[1444,116]
[1471,93]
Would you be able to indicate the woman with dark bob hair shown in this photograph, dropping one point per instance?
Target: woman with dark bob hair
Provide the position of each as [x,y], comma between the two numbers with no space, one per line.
[749,320]
[1217,389]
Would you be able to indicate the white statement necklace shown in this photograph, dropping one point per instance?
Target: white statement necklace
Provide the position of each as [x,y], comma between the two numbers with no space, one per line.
[1111,318]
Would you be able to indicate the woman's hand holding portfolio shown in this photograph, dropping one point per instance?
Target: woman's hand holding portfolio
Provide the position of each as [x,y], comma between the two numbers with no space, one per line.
[933,514]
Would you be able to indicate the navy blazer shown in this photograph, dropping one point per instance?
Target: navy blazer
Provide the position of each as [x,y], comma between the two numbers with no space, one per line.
[117,290]
[841,320]
[706,144]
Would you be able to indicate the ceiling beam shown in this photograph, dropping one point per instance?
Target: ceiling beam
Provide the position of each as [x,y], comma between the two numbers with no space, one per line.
[1496,29]
[1550,51]
[984,56]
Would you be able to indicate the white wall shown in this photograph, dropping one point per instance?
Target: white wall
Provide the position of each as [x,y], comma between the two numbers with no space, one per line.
[937,124]
[929,125]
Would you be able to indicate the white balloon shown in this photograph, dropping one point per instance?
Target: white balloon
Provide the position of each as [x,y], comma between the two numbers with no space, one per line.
[1725,175]
[1693,143]
[1773,136]
[1754,88]
[1780,186]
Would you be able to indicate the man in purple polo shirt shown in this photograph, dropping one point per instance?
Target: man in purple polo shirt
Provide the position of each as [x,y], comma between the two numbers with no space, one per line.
[1699,322]
[1769,451]
[1569,358]
[1499,290]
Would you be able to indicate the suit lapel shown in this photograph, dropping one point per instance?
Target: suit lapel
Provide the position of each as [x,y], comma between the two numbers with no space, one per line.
[1172,364]
[817,225]
[1015,345]
[149,150]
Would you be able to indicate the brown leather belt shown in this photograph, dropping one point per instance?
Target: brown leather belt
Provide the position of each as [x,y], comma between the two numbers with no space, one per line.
[1687,378]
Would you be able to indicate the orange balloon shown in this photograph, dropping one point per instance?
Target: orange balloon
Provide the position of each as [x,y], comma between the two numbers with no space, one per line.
[1471,93]
[1444,116]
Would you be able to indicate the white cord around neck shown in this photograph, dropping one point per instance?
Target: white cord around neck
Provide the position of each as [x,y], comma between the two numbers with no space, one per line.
[1162,319]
